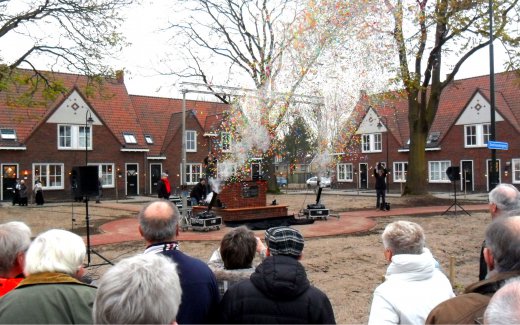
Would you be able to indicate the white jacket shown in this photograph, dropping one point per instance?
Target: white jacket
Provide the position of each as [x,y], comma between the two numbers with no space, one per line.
[413,287]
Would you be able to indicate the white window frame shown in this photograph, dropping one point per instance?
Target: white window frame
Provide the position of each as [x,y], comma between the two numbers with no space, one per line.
[439,170]
[47,177]
[345,172]
[106,172]
[515,170]
[481,137]
[399,171]
[8,134]
[191,141]
[192,177]
[77,137]
[148,138]
[371,142]
[130,138]
[225,141]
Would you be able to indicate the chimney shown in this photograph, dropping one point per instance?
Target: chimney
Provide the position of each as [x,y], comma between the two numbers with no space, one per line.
[120,76]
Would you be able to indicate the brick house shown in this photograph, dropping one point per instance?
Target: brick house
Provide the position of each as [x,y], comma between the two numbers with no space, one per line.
[458,137]
[131,139]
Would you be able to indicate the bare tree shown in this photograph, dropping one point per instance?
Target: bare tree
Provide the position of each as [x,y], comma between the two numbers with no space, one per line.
[426,32]
[76,36]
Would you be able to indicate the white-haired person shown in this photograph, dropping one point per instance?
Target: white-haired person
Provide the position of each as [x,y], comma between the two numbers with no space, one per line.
[413,284]
[15,238]
[51,292]
[143,289]
[503,308]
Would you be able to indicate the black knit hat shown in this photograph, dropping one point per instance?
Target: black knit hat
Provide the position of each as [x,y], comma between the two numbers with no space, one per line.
[284,241]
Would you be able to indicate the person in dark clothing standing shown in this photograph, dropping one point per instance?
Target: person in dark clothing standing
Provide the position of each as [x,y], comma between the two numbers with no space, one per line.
[198,192]
[159,226]
[278,292]
[163,187]
[380,173]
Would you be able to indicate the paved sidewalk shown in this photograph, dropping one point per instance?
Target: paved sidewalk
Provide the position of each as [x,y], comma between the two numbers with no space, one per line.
[348,222]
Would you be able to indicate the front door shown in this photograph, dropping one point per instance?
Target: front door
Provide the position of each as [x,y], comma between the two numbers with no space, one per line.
[155,176]
[363,176]
[9,175]
[256,171]
[132,187]
[467,176]
[497,170]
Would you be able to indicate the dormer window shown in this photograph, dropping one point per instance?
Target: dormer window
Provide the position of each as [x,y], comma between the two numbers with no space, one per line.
[434,137]
[371,142]
[8,134]
[477,135]
[130,138]
[148,138]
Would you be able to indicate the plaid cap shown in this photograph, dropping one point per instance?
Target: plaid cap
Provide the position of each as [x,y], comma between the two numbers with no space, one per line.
[284,241]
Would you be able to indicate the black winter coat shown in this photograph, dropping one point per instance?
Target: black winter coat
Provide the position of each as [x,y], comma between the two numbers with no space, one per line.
[277,292]
[380,179]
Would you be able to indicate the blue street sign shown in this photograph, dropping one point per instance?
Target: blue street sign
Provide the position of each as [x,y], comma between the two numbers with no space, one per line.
[498,145]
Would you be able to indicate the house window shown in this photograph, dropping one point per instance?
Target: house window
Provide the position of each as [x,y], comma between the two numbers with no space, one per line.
[74,137]
[8,134]
[193,173]
[225,141]
[477,135]
[516,170]
[130,138]
[148,138]
[437,171]
[106,174]
[345,172]
[400,169]
[51,175]
[191,141]
[371,142]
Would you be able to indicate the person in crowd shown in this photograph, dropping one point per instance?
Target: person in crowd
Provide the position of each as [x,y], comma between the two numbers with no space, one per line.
[413,284]
[143,289]
[233,261]
[23,194]
[38,192]
[15,238]
[51,293]
[380,173]
[504,200]
[198,192]
[503,307]
[163,187]
[159,226]
[16,193]
[100,190]
[278,291]
[502,255]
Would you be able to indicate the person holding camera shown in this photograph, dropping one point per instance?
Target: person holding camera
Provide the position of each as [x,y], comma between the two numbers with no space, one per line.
[380,173]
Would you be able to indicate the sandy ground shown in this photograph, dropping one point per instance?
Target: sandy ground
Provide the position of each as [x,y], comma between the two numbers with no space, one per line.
[347,268]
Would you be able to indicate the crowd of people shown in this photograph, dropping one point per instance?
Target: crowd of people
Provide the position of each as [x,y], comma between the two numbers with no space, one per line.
[42,281]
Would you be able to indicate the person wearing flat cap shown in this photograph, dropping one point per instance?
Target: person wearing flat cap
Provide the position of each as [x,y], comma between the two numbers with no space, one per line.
[278,291]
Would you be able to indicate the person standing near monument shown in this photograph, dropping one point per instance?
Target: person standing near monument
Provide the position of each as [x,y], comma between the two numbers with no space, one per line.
[163,187]
[380,173]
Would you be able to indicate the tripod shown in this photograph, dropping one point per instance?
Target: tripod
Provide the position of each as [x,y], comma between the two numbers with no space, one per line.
[455,204]
[89,249]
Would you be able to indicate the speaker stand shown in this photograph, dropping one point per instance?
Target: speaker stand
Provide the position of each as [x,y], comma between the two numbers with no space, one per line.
[90,251]
[455,204]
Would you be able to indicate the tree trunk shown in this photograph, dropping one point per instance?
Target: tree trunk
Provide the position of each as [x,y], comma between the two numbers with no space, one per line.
[417,177]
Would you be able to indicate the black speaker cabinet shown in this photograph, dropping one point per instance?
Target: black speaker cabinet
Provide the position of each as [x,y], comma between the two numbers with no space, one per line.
[453,173]
[84,180]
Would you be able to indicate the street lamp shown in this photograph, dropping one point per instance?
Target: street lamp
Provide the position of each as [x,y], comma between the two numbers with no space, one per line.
[88,125]
[379,126]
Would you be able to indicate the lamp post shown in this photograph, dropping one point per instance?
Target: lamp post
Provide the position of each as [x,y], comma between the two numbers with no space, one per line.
[493,172]
[379,126]
[88,125]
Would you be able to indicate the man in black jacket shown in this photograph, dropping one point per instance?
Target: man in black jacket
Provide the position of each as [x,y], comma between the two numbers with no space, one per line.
[380,173]
[278,291]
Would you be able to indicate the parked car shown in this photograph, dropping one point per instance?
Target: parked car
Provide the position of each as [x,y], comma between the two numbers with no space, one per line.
[313,181]
[281,181]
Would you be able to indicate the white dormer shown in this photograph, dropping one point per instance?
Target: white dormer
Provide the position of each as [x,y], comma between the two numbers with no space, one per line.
[73,110]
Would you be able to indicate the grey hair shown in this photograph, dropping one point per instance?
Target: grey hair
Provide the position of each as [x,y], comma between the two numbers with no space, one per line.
[15,238]
[503,306]
[159,228]
[143,289]
[503,239]
[55,250]
[506,197]
[404,237]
